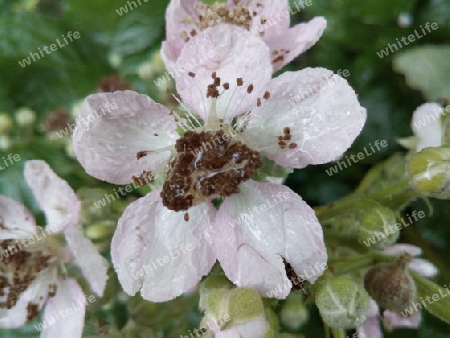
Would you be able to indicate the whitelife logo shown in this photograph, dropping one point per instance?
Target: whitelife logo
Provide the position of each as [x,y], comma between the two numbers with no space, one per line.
[53,48]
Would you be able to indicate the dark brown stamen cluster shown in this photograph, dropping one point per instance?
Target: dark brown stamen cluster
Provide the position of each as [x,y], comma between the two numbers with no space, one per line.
[207,165]
[19,269]
[215,14]
[286,137]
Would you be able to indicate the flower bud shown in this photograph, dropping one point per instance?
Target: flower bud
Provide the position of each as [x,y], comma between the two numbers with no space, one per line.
[294,313]
[5,142]
[6,123]
[377,228]
[229,310]
[342,303]
[429,172]
[25,117]
[390,285]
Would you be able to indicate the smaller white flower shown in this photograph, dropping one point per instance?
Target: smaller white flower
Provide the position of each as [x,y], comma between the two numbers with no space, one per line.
[428,127]
[32,261]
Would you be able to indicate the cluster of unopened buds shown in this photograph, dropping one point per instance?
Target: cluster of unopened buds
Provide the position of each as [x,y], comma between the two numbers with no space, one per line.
[208,167]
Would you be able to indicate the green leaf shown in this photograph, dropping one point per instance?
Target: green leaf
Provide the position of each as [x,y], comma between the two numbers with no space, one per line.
[53,79]
[136,34]
[427,69]
[94,16]
[427,290]
[437,11]
[379,11]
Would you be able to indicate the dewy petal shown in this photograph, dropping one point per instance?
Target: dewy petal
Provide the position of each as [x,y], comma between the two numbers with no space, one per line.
[273,13]
[16,218]
[93,266]
[426,125]
[69,298]
[56,198]
[257,227]
[394,320]
[423,267]
[232,52]
[156,248]
[295,41]
[107,140]
[321,110]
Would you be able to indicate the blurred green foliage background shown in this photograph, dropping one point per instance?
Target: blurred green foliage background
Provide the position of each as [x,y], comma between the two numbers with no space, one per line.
[390,88]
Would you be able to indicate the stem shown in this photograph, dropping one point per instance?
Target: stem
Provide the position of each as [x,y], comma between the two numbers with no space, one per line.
[347,264]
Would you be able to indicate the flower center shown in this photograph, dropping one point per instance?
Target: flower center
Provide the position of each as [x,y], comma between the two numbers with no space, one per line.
[19,268]
[215,14]
[207,165]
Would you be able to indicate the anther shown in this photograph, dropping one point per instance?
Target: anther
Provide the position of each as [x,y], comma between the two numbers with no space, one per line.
[250,88]
[191,74]
[226,86]
[278,59]
[186,217]
[266,95]
[141,154]
[239,81]
[293,146]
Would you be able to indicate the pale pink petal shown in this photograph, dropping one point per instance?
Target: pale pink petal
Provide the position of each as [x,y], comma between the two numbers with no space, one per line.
[232,52]
[298,39]
[169,56]
[258,227]
[56,198]
[423,267]
[402,247]
[106,143]
[158,249]
[178,11]
[321,110]
[272,19]
[17,221]
[394,320]
[64,313]
[370,328]
[374,310]
[426,125]
[93,266]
